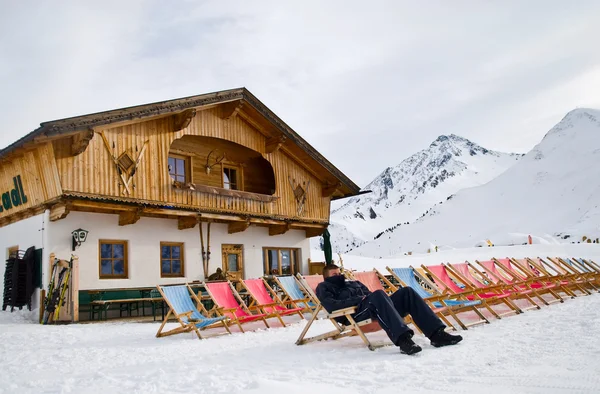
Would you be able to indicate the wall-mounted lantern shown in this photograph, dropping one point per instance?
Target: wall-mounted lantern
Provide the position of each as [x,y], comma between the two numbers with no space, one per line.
[79,237]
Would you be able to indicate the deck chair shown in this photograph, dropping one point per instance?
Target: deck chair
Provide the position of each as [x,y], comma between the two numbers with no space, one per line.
[441,277]
[267,300]
[229,303]
[464,269]
[589,273]
[578,273]
[590,264]
[534,283]
[372,279]
[294,293]
[352,328]
[440,304]
[499,274]
[189,316]
[569,282]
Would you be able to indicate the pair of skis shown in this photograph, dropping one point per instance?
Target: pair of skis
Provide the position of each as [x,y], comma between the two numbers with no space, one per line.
[57,289]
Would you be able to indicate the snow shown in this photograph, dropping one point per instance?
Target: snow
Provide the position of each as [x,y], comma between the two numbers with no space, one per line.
[550,193]
[403,193]
[552,350]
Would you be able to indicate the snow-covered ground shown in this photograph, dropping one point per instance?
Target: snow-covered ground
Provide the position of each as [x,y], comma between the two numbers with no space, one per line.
[552,350]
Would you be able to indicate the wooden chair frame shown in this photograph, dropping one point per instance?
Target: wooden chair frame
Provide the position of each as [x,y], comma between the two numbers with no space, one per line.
[503,287]
[353,328]
[568,282]
[230,312]
[533,282]
[578,273]
[270,309]
[190,325]
[288,298]
[445,310]
[487,299]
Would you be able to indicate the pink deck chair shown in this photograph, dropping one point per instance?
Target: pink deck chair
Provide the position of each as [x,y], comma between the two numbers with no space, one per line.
[230,304]
[497,276]
[531,281]
[369,279]
[443,280]
[565,283]
[566,275]
[266,299]
[464,269]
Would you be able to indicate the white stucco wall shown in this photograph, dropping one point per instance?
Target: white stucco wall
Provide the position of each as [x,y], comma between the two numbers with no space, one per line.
[144,239]
[25,233]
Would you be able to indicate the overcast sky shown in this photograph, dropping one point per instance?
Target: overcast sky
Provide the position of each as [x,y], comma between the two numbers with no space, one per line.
[367,83]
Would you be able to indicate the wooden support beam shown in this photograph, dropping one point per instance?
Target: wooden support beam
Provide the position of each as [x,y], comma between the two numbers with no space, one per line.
[183,119]
[129,217]
[314,232]
[279,229]
[274,143]
[80,142]
[329,189]
[231,109]
[186,222]
[237,227]
[58,211]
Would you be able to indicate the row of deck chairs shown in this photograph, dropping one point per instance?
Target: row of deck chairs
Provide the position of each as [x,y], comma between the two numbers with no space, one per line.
[187,309]
[498,287]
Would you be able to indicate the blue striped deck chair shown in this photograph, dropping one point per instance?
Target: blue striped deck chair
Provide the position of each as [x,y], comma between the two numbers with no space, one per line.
[179,300]
[294,294]
[439,303]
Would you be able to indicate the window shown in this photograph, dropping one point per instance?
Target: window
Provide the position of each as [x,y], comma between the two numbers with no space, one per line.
[179,168]
[171,259]
[281,261]
[113,259]
[230,178]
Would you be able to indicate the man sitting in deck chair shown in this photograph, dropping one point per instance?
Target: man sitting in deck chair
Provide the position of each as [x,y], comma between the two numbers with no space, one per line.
[337,293]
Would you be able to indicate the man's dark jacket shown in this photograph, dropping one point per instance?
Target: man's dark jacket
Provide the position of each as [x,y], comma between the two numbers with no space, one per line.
[334,297]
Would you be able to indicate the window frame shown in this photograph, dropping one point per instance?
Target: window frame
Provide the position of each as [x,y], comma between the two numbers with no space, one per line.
[181,259]
[125,244]
[238,176]
[187,166]
[295,263]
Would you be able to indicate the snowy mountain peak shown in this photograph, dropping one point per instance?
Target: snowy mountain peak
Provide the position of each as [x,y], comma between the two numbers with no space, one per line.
[402,193]
[574,118]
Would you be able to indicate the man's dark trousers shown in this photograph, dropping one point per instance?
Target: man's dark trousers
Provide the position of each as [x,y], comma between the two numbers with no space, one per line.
[389,310]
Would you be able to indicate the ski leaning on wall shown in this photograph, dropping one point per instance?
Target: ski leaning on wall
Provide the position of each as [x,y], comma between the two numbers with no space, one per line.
[57,289]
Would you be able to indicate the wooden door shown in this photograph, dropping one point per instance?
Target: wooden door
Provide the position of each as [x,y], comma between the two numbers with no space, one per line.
[233,261]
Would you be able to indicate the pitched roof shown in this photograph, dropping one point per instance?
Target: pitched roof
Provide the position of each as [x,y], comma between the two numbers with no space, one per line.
[87,122]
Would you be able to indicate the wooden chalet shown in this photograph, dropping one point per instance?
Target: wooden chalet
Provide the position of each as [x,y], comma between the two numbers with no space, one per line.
[168,192]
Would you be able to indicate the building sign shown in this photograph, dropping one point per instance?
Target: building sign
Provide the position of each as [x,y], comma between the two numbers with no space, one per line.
[14,197]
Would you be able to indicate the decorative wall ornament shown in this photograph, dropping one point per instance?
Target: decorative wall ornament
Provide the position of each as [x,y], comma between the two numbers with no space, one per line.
[126,166]
[300,193]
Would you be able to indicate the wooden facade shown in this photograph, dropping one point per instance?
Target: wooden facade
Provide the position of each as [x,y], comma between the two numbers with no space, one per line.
[118,162]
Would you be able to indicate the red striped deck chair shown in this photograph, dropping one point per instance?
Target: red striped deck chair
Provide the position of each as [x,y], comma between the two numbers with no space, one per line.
[267,300]
[532,282]
[465,271]
[441,277]
[575,273]
[439,303]
[229,303]
[498,276]
[353,328]
[568,284]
